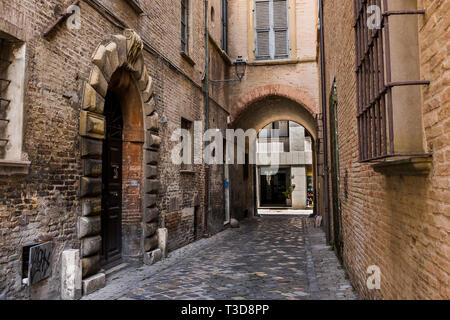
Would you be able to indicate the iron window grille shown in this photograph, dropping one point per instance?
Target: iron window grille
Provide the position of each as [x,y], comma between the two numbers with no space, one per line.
[4,103]
[374,82]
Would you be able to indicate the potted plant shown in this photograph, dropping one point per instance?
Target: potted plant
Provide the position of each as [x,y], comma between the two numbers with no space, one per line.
[288,195]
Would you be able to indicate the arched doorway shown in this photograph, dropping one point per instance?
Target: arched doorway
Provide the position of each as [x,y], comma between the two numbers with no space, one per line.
[245,197]
[289,185]
[120,152]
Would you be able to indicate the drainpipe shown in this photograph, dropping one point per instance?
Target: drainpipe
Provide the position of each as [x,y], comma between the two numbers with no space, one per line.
[207,175]
[324,113]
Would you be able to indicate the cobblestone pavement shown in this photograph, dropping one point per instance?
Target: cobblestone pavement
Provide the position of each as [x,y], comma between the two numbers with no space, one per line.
[267,258]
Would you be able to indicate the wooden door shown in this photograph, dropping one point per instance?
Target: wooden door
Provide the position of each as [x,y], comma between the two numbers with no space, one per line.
[112,183]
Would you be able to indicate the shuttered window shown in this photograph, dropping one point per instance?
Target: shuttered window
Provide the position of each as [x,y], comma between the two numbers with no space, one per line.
[184,25]
[271,29]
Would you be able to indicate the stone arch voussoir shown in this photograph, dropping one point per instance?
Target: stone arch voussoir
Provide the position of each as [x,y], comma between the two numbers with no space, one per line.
[120,51]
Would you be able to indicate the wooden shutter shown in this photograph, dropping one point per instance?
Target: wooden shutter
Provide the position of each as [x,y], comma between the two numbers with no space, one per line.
[281,28]
[262,22]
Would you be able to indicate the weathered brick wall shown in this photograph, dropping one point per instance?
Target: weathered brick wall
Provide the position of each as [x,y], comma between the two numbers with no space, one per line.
[44,205]
[399,223]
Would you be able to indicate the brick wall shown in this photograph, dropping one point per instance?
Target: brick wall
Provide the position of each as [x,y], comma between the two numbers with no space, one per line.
[399,223]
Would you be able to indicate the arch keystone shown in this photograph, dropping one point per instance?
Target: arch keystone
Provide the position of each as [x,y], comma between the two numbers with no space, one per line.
[134,47]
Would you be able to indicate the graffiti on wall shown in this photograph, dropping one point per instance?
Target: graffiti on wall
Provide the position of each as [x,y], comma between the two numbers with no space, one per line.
[39,264]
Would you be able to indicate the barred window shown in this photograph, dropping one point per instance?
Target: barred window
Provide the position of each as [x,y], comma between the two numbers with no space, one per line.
[387,68]
[271,29]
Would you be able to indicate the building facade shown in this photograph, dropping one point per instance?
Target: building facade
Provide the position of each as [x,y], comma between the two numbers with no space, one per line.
[286,182]
[385,94]
[278,39]
[88,113]
[92,92]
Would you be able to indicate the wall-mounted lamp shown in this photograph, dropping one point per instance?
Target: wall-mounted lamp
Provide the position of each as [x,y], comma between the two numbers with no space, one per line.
[240,66]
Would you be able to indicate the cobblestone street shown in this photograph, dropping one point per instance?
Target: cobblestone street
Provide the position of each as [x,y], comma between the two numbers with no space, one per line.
[266,258]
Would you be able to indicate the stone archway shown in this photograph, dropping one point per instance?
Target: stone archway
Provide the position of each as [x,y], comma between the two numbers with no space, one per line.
[118,65]
[255,110]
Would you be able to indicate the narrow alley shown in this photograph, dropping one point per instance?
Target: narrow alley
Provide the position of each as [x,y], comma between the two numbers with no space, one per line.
[224,150]
[266,258]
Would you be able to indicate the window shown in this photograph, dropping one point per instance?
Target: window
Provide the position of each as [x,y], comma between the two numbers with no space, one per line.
[388,101]
[271,29]
[184,25]
[188,158]
[224,25]
[281,127]
[274,138]
[12,82]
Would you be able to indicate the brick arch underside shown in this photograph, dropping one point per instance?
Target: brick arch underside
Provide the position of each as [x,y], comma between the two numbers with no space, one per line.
[260,112]
[255,110]
[300,96]
[121,54]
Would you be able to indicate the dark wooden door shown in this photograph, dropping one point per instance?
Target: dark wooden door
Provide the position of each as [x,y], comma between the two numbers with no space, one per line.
[112,183]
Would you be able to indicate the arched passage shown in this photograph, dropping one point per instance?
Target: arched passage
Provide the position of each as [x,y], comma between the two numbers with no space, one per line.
[119,77]
[257,115]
